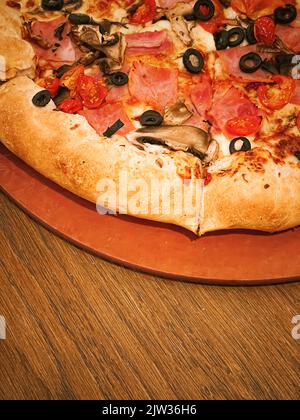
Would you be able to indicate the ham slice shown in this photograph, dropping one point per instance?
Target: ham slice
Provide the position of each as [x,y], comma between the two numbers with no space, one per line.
[153,85]
[296,23]
[118,94]
[289,36]
[201,96]
[257,8]
[61,51]
[295,98]
[197,121]
[230,60]
[156,42]
[103,118]
[229,102]
[198,100]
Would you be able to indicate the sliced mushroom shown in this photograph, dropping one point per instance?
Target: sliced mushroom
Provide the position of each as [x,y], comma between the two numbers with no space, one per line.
[181,9]
[179,138]
[86,37]
[212,152]
[90,37]
[90,57]
[109,40]
[177,114]
[180,27]
[108,66]
[111,46]
[116,52]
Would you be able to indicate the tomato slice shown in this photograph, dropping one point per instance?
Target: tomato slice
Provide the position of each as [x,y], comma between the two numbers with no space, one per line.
[91,91]
[278,95]
[71,106]
[213,24]
[208,178]
[145,13]
[70,78]
[51,84]
[264,30]
[243,126]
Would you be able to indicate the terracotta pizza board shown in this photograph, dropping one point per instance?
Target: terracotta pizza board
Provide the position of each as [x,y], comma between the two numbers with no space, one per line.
[230,258]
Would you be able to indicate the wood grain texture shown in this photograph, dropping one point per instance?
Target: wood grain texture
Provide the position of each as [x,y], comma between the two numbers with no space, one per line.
[82,328]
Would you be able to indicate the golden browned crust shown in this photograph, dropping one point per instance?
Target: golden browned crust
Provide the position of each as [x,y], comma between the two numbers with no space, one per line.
[65,149]
[16,55]
[251,191]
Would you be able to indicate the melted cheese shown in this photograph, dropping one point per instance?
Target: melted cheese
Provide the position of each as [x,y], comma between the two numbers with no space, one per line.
[223,144]
[203,39]
[229,13]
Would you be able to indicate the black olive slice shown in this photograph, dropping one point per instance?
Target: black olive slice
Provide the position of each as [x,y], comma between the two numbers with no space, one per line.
[119,78]
[245,147]
[113,129]
[62,70]
[285,63]
[105,26]
[270,67]
[236,36]
[151,119]
[150,140]
[297,155]
[250,63]
[52,5]
[204,10]
[221,40]
[42,98]
[62,94]
[225,3]
[193,61]
[79,19]
[250,35]
[190,17]
[286,59]
[285,15]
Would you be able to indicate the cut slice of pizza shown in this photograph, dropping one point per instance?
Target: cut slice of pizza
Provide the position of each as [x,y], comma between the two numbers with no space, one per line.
[121,176]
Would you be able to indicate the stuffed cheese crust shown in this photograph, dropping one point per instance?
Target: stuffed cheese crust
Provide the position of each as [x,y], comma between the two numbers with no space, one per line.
[198,97]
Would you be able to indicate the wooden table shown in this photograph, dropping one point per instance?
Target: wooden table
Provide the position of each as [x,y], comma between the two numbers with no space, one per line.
[79,327]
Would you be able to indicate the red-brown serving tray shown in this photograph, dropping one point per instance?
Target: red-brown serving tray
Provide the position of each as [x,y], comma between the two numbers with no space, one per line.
[228,258]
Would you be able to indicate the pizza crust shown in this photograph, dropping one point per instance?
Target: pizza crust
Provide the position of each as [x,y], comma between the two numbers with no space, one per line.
[250,191]
[16,55]
[65,149]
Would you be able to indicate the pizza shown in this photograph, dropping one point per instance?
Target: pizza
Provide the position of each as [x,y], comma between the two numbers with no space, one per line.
[182,112]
